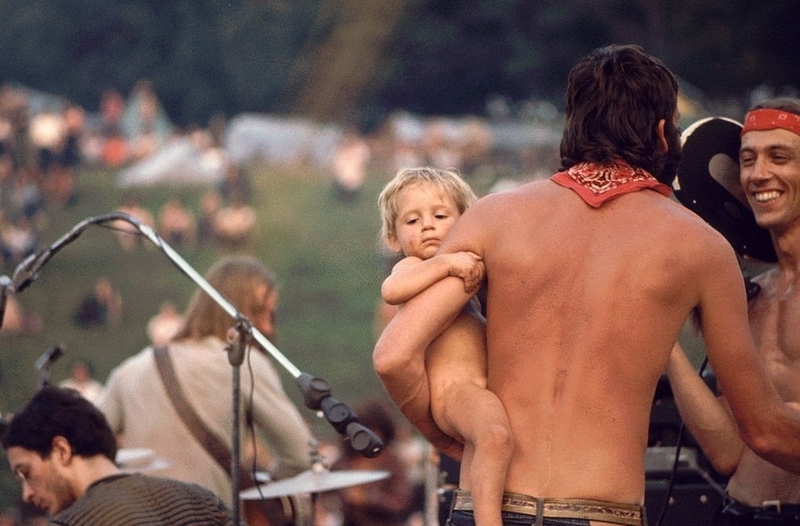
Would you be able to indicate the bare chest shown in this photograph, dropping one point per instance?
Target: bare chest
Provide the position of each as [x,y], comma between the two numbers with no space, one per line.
[775,323]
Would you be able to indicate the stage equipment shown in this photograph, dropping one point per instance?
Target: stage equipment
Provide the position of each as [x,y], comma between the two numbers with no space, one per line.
[313,481]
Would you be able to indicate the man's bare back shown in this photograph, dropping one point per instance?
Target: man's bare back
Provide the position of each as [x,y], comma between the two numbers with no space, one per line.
[583,308]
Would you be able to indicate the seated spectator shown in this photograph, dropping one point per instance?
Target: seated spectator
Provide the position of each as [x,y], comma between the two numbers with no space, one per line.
[18,239]
[235,183]
[17,321]
[210,205]
[177,224]
[25,198]
[234,225]
[350,165]
[101,307]
[82,379]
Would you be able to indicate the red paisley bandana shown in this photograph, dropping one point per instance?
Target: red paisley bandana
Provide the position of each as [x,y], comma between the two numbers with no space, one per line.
[769,119]
[597,183]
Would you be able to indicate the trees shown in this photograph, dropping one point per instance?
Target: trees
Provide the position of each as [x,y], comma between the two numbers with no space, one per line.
[338,59]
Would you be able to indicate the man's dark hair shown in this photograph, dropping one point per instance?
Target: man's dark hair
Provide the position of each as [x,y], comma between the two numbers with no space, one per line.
[57,411]
[615,98]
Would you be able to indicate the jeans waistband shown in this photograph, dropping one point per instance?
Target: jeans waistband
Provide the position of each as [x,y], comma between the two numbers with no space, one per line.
[596,510]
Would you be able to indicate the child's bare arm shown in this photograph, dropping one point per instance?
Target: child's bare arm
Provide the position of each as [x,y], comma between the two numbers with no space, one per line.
[412,275]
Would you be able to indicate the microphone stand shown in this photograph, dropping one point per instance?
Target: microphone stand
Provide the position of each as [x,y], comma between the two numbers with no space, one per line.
[316,391]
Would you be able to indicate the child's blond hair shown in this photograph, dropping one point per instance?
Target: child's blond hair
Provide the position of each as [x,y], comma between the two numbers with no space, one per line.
[446,181]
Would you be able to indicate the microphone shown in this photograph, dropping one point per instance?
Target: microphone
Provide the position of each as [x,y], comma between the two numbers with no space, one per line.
[5,284]
[317,395]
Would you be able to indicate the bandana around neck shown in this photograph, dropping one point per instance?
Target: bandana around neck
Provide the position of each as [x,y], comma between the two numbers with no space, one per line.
[597,183]
[770,119]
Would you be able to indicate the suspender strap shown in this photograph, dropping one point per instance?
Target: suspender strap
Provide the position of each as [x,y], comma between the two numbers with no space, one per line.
[211,442]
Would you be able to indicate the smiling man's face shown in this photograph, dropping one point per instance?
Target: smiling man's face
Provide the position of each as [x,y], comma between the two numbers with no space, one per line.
[769,164]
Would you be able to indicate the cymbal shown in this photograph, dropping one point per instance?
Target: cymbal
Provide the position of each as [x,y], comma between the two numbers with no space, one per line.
[313,481]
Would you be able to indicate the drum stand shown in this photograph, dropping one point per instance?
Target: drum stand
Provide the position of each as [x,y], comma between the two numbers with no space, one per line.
[316,391]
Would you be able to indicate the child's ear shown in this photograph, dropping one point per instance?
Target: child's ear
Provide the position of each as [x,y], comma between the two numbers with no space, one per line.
[392,243]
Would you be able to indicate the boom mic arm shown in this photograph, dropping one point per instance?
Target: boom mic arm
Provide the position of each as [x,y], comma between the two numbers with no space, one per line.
[28,270]
[316,391]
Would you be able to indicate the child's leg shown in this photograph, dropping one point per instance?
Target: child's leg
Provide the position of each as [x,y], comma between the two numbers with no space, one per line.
[478,416]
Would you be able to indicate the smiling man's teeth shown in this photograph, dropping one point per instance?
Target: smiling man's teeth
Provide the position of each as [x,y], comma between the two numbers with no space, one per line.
[762,197]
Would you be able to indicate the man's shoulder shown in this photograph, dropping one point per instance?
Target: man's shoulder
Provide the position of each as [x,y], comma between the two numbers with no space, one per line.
[128,498]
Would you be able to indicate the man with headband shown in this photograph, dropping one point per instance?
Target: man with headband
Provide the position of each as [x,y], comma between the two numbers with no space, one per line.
[759,492]
[590,277]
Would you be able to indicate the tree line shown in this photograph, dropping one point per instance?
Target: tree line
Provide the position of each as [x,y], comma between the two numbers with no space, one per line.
[357,60]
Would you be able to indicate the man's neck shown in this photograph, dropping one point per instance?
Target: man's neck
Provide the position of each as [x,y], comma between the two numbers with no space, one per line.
[787,249]
[90,470]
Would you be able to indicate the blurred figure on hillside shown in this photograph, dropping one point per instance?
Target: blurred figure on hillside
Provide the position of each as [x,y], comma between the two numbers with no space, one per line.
[144,123]
[438,146]
[81,378]
[176,223]
[210,205]
[476,145]
[24,198]
[235,184]
[56,137]
[234,225]
[61,184]
[141,392]
[350,162]
[17,320]
[47,130]
[112,106]
[387,502]
[18,239]
[114,149]
[127,235]
[164,325]
[99,308]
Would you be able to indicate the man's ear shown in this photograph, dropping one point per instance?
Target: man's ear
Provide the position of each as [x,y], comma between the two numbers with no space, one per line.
[662,137]
[62,450]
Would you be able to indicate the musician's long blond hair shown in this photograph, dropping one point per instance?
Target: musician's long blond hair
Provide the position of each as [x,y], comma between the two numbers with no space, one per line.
[236,278]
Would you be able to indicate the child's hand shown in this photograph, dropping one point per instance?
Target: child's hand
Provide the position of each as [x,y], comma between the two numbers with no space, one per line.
[469,267]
